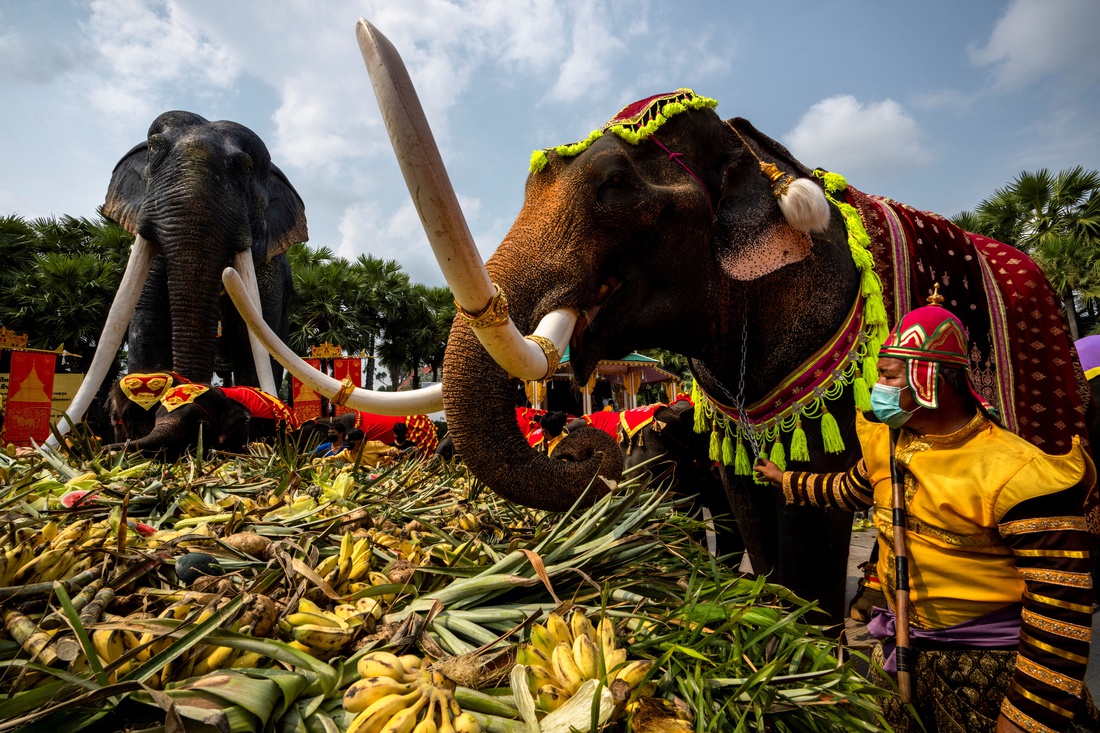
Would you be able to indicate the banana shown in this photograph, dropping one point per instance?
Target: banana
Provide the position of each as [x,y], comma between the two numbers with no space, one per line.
[581,626]
[220,658]
[38,565]
[587,657]
[411,661]
[543,639]
[558,629]
[344,563]
[427,725]
[551,698]
[49,531]
[108,644]
[613,663]
[633,673]
[539,676]
[534,657]
[327,565]
[317,619]
[70,534]
[605,635]
[247,659]
[466,723]
[404,720]
[369,690]
[381,664]
[4,569]
[375,717]
[322,638]
[569,674]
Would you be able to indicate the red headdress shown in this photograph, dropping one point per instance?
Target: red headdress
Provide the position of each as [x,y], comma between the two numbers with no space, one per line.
[925,338]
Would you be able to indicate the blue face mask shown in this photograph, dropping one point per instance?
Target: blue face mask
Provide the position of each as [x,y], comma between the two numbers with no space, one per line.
[886,404]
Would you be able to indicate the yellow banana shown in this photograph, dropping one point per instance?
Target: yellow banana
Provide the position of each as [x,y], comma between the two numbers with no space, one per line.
[220,658]
[317,619]
[613,663]
[633,673]
[37,566]
[558,629]
[108,644]
[466,723]
[369,690]
[581,626]
[322,638]
[605,636]
[381,664]
[427,725]
[587,657]
[307,606]
[247,659]
[569,674]
[404,720]
[375,717]
[539,676]
[71,534]
[327,565]
[49,531]
[551,698]
[543,639]
[411,661]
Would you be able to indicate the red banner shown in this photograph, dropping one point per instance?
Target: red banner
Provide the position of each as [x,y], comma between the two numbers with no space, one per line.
[307,403]
[30,392]
[350,367]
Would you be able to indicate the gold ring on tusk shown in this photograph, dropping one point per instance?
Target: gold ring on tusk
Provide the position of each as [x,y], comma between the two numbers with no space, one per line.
[494,314]
[553,358]
[346,386]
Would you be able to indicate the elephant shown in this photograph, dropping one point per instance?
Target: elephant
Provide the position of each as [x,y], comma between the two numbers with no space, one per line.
[187,411]
[132,401]
[673,228]
[419,428]
[198,195]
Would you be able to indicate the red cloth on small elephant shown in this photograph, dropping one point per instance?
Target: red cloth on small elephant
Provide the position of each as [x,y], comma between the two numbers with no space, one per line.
[605,421]
[421,430]
[263,405]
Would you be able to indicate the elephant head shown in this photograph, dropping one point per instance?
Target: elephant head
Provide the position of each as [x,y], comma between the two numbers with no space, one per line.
[198,196]
[183,415]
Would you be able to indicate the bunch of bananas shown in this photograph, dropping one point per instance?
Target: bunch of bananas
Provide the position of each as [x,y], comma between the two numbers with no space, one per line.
[410,550]
[323,633]
[51,553]
[400,695]
[561,656]
[470,552]
[465,520]
[349,571]
[111,644]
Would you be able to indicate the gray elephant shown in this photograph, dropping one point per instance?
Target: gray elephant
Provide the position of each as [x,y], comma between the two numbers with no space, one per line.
[198,196]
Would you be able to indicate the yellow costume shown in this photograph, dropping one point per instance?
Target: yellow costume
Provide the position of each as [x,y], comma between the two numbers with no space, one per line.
[375,453]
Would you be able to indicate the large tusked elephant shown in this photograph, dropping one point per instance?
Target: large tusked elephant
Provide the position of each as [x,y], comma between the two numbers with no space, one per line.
[674,228]
[198,196]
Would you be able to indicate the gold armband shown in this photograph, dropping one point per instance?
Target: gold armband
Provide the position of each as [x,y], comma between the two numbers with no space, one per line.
[346,386]
[553,358]
[494,314]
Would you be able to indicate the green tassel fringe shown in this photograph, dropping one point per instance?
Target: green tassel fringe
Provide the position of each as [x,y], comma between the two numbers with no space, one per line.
[715,444]
[741,465]
[699,401]
[830,433]
[779,455]
[800,449]
[861,394]
[727,450]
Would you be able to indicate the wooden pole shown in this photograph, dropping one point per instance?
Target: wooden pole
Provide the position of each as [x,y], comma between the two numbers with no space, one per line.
[901,573]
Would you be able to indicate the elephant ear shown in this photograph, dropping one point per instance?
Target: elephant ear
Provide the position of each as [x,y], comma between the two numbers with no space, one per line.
[286,215]
[127,189]
[776,243]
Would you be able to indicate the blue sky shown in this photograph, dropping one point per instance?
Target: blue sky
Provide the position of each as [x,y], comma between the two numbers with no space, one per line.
[934,103]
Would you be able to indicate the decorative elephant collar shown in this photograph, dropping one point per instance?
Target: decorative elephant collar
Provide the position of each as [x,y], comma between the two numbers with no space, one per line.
[147,389]
[635,419]
[183,394]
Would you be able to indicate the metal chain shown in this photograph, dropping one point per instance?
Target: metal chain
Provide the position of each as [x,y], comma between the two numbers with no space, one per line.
[739,403]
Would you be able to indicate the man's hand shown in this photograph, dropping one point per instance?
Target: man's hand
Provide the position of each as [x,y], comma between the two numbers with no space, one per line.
[768,471]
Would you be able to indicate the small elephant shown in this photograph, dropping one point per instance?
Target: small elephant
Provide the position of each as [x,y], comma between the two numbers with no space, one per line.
[132,402]
[187,411]
[419,428]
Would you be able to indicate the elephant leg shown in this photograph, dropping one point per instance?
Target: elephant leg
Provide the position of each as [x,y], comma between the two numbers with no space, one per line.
[754,511]
[150,336]
[813,554]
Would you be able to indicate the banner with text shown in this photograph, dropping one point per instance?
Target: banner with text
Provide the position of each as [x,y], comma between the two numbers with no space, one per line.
[306,402]
[350,367]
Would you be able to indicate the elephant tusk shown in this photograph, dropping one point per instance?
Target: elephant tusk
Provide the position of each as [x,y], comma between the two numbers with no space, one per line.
[259,354]
[435,200]
[415,402]
[114,330]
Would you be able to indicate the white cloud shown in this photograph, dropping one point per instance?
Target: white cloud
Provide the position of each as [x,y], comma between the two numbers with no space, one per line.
[588,65]
[1034,38]
[870,139]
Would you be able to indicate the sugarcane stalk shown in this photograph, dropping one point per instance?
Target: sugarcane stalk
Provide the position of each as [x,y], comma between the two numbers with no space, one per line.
[56,619]
[90,613]
[44,589]
[31,639]
[901,571]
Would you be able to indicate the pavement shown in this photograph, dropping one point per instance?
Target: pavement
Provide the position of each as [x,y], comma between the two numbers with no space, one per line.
[857,633]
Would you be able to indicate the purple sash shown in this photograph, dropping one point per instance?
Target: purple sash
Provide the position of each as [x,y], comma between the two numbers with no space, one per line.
[997,630]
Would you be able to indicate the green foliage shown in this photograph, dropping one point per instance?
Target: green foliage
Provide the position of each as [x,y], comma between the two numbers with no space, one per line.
[58,280]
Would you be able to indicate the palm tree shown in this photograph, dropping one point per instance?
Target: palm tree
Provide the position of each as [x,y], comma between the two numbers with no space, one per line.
[1056,219]
[373,301]
[321,310]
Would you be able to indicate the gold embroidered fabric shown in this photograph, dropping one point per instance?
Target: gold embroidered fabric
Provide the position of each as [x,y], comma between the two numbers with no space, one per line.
[1057,577]
[1058,603]
[1025,637]
[1053,553]
[1028,724]
[1040,701]
[1058,628]
[1049,676]
[1043,524]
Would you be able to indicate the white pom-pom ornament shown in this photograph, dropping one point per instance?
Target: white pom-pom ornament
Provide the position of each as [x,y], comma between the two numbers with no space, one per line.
[801,200]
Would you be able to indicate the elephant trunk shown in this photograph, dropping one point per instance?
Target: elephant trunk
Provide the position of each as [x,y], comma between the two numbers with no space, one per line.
[479,398]
[165,435]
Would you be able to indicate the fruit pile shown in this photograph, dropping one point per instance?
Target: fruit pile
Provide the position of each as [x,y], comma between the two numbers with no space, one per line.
[268,592]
